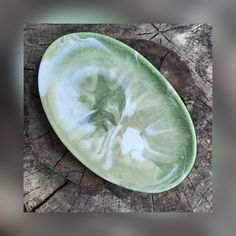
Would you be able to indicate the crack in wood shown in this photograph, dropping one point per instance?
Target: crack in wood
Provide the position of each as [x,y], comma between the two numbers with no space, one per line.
[119,204]
[188,201]
[82,177]
[29,69]
[47,198]
[145,33]
[204,95]
[174,28]
[131,201]
[163,58]
[87,200]
[152,202]
[35,95]
[32,173]
[153,36]
[197,192]
[60,158]
[76,199]
[174,45]
[40,136]
[159,32]
[28,192]
[40,44]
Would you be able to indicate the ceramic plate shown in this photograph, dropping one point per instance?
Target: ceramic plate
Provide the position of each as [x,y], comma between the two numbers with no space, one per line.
[116,113]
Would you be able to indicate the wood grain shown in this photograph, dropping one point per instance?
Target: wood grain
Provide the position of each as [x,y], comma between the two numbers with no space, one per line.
[55,181]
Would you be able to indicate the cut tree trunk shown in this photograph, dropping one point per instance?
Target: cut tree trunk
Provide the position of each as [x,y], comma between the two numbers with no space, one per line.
[55,181]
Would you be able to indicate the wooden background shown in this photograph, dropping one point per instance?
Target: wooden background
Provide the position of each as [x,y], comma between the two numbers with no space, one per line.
[55,181]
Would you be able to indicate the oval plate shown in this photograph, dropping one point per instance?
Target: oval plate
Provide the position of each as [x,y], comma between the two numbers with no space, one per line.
[116,113]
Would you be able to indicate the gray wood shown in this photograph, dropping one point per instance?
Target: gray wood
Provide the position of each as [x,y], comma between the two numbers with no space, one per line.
[55,181]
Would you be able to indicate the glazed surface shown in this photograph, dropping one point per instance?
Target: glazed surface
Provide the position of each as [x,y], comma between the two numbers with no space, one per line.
[116,113]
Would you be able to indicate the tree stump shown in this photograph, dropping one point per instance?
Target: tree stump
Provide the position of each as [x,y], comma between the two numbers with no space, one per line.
[55,181]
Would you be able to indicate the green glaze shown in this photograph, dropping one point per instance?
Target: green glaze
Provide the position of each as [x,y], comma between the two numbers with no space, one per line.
[116,113]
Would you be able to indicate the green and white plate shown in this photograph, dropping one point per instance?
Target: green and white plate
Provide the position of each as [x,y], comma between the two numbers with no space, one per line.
[116,113]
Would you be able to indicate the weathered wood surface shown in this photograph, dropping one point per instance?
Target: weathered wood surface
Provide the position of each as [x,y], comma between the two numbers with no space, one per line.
[55,181]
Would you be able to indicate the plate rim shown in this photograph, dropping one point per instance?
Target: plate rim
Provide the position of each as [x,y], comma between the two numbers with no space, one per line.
[149,65]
